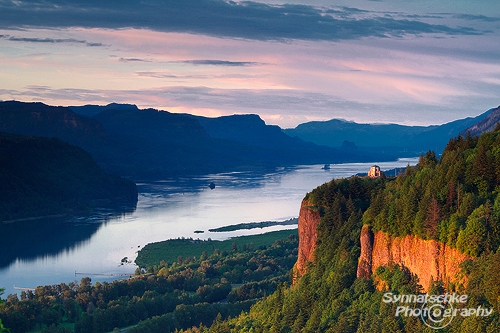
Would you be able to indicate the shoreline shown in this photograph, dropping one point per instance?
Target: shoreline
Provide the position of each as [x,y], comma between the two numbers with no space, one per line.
[171,250]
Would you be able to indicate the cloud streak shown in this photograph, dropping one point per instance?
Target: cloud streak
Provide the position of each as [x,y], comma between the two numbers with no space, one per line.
[218,63]
[245,19]
[49,40]
[477,17]
[168,75]
[133,60]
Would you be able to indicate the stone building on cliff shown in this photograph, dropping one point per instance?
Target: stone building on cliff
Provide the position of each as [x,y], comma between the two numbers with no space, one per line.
[374,172]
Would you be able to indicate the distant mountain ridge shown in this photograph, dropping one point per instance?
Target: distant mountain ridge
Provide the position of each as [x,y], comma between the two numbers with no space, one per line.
[153,144]
[488,124]
[395,139]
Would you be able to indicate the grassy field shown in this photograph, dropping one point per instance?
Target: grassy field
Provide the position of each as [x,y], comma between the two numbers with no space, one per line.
[171,249]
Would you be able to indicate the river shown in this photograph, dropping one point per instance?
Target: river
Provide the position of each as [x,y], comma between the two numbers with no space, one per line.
[50,251]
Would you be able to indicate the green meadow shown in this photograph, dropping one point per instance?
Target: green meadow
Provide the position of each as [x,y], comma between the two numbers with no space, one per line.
[170,250]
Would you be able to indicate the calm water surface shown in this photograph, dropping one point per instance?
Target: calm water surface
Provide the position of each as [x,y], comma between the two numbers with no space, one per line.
[51,251]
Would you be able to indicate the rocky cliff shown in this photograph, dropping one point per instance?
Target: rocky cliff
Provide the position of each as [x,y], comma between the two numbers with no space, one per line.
[308,221]
[428,259]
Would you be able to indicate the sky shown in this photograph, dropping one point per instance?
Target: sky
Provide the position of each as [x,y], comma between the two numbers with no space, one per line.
[412,62]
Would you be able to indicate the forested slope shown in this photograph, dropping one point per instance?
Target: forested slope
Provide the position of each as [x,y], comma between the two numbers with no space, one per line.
[454,199]
[41,176]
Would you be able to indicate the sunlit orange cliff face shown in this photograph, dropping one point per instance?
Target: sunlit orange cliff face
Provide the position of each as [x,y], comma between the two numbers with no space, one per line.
[308,221]
[428,259]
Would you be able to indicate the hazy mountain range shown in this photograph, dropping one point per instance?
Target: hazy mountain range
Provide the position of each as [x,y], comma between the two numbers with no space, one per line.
[392,139]
[153,144]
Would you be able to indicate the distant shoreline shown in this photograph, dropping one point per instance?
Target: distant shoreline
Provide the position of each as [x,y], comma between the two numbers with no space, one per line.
[33,218]
[254,225]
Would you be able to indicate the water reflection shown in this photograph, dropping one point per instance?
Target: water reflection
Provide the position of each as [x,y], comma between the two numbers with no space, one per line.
[240,179]
[27,240]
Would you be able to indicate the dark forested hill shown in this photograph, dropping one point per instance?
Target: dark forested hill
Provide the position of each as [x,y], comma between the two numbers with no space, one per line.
[389,138]
[41,176]
[38,119]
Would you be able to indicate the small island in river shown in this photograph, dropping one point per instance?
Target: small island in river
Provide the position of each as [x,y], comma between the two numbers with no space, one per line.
[253,225]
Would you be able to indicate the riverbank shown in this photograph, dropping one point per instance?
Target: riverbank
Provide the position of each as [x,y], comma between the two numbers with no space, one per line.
[172,296]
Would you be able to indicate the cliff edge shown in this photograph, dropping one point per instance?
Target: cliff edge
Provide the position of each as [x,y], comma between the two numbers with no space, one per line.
[308,221]
[428,259]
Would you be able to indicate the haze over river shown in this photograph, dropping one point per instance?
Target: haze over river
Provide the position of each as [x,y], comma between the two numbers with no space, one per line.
[50,251]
